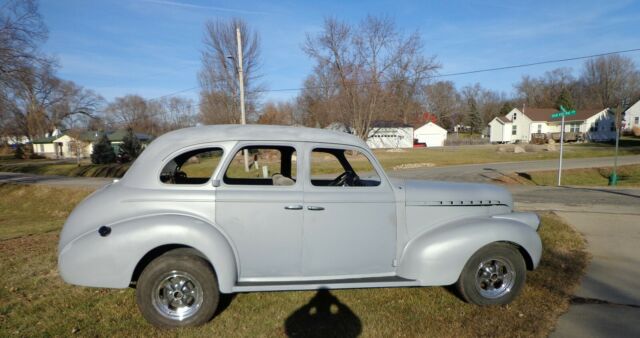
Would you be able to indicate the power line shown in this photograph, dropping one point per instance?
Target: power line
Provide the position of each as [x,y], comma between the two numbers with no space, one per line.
[476,71]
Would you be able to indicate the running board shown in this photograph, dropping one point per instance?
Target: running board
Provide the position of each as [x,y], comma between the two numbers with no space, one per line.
[353,283]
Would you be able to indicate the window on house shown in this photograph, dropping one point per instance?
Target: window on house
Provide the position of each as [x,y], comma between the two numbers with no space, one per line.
[574,127]
[514,130]
[613,126]
[341,168]
[636,120]
[539,129]
[268,165]
[192,167]
[514,116]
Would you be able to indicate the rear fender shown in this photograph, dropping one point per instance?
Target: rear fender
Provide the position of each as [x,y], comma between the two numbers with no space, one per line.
[109,261]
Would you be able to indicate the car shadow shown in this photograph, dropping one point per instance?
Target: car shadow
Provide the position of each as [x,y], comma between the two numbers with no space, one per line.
[323,316]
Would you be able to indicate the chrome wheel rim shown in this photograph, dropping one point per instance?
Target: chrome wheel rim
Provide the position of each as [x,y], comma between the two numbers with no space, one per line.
[495,278]
[177,295]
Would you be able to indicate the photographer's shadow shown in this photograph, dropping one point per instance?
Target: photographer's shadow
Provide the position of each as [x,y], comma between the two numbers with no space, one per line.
[323,316]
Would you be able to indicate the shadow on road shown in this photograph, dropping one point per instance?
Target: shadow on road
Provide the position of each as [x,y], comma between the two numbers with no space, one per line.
[323,316]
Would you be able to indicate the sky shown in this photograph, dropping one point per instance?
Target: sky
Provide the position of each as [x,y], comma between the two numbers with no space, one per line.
[153,47]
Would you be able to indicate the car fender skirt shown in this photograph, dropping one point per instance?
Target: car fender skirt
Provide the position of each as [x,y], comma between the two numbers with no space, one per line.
[438,256]
[109,261]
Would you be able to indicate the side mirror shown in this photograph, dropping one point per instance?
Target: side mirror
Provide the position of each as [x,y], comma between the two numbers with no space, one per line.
[215,183]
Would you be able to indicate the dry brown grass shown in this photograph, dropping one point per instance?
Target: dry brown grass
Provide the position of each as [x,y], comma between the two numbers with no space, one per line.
[36,302]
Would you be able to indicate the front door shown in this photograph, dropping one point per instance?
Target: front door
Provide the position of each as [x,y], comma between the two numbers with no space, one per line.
[261,210]
[350,215]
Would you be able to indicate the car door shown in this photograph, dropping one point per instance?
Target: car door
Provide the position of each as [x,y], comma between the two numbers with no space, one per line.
[349,230]
[263,220]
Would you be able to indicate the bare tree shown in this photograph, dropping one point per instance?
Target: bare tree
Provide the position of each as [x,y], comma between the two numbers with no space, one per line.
[364,60]
[176,113]
[219,102]
[444,100]
[278,113]
[610,79]
[21,33]
[133,111]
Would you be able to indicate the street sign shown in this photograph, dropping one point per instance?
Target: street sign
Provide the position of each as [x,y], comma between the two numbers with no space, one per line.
[562,114]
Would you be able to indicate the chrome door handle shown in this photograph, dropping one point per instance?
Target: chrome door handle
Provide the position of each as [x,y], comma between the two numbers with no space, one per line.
[293,207]
[315,208]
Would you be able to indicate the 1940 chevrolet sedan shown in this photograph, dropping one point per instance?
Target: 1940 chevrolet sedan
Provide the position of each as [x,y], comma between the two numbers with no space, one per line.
[224,209]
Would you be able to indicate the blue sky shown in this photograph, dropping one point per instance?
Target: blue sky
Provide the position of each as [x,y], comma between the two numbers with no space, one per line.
[152,47]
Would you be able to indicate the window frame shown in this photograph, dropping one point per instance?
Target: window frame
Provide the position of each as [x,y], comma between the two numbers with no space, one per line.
[514,130]
[384,180]
[224,166]
[181,151]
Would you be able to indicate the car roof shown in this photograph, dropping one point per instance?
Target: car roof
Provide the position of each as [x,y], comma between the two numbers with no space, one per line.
[235,132]
[152,156]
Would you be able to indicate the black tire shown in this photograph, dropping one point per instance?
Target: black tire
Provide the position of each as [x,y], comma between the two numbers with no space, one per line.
[494,275]
[177,289]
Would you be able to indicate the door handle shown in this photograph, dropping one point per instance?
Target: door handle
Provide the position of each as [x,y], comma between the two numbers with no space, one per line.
[293,207]
[315,208]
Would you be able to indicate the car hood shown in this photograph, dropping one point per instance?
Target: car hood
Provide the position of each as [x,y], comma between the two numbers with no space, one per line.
[436,193]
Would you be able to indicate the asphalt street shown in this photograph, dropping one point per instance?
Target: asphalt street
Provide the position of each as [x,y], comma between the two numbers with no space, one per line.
[489,171]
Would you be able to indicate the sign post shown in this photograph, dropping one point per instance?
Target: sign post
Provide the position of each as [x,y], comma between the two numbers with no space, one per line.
[613,178]
[561,114]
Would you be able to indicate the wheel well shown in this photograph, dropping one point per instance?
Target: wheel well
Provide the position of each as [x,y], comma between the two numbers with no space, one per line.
[527,258]
[162,250]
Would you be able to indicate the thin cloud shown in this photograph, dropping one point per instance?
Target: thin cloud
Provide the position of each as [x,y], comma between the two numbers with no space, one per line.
[210,8]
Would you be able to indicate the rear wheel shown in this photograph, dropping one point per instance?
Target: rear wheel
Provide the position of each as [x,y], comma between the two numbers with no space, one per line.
[495,274]
[176,290]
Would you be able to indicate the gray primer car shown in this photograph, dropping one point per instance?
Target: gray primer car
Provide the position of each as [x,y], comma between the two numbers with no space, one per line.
[182,240]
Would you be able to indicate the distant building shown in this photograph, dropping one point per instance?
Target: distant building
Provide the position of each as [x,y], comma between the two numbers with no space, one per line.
[63,145]
[390,135]
[536,123]
[430,135]
[632,117]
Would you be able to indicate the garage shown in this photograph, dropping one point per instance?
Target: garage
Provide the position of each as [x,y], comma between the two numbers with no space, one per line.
[430,135]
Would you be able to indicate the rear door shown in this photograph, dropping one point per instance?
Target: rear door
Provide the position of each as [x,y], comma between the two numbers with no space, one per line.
[263,220]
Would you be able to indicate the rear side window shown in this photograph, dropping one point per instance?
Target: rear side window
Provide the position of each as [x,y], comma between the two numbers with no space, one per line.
[192,167]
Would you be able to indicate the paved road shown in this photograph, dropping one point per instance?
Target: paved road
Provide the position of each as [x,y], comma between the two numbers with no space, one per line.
[490,171]
[86,182]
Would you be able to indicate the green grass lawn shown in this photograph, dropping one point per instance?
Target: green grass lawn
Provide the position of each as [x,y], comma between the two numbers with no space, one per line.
[628,176]
[36,302]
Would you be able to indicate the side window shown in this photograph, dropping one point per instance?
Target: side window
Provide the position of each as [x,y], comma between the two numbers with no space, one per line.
[192,167]
[267,165]
[340,167]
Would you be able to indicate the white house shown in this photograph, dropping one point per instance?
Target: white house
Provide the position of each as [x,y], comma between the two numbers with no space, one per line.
[385,134]
[63,145]
[431,135]
[632,117]
[519,126]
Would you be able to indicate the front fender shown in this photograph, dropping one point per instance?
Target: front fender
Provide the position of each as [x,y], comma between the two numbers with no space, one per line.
[93,260]
[438,256]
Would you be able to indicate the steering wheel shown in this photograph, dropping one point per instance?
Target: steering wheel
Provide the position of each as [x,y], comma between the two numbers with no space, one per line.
[346,179]
[179,176]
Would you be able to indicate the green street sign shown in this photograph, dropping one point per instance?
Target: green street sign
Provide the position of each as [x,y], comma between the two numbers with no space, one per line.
[563,113]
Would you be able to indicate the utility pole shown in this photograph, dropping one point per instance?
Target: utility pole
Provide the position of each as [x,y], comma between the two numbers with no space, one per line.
[613,178]
[561,151]
[243,119]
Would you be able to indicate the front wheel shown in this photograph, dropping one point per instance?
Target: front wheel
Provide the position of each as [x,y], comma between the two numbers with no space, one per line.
[494,275]
[177,290]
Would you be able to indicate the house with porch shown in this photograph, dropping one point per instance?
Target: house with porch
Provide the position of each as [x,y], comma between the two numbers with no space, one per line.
[536,124]
[68,145]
